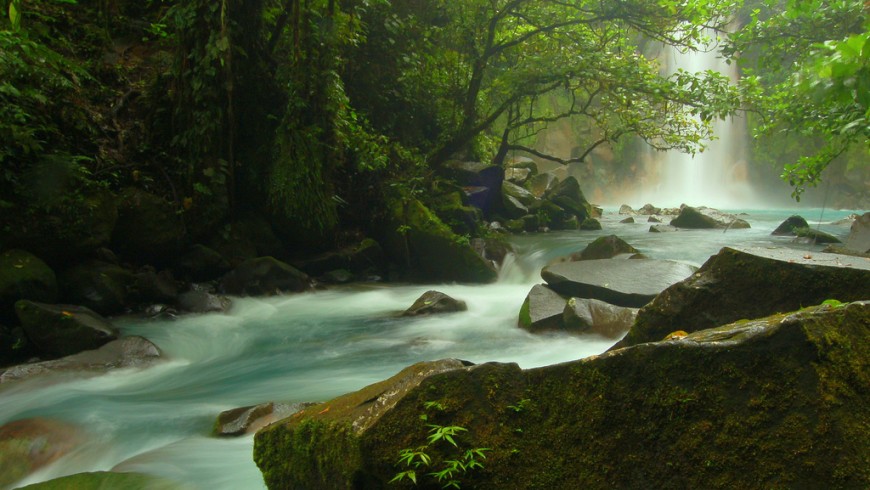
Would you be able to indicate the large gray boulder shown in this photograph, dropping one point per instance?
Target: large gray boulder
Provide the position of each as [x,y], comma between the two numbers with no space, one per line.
[739,283]
[583,315]
[704,217]
[264,276]
[859,235]
[780,401]
[788,227]
[24,276]
[630,283]
[542,310]
[133,351]
[61,330]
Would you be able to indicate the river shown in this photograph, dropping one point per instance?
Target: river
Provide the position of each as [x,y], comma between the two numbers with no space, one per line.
[314,346]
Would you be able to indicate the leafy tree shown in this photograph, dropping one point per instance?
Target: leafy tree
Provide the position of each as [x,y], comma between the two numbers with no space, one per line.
[478,73]
[807,75]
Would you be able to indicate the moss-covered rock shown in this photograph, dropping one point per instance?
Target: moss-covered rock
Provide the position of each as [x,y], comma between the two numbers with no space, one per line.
[779,402]
[362,259]
[201,263]
[787,227]
[815,236]
[24,276]
[605,247]
[749,283]
[704,217]
[61,330]
[427,250]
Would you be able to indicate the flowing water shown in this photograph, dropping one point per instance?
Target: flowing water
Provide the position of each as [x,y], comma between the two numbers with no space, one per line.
[314,346]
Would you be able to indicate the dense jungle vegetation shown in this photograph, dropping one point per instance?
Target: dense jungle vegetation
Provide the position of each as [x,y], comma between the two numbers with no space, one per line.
[315,112]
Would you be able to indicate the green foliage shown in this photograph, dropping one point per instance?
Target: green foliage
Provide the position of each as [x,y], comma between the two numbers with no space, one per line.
[446,470]
[807,72]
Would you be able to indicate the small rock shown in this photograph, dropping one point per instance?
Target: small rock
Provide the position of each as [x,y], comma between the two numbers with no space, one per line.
[788,227]
[628,220]
[432,302]
[61,330]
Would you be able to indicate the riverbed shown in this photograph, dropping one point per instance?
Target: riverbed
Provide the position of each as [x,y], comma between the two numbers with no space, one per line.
[314,346]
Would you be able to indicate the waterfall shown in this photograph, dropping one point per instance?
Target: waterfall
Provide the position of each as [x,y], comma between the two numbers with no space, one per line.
[717,177]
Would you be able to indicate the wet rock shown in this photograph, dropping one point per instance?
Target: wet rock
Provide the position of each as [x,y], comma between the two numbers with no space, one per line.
[628,220]
[649,209]
[583,315]
[24,276]
[662,229]
[789,390]
[568,196]
[29,444]
[625,209]
[605,247]
[435,302]
[196,301]
[740,283]
[247,420]
[151,286]
[417,240]
[630,283]
[485,177]
[132,351]
[859,235]
[517,175]
[704,218]
[590,224]
[100,286]
[61,330]
[812,235]
[542,310]
[264,276]
[541,184]
[787,227]
[653,219]
[106,480]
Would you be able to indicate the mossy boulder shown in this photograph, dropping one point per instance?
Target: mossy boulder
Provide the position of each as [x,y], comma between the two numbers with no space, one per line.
[739,283]
[107,480]
[264,276]
[24,276]
[101,286]
[813,235]
[363,259]
[427,250]
[590,224]
[787,227]
[704,217]
[29,444]
[149,228]
[568,196]
[61,330]
[779,402]
[605,247]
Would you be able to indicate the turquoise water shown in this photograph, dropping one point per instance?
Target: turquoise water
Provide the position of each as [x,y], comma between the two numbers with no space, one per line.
[314,346]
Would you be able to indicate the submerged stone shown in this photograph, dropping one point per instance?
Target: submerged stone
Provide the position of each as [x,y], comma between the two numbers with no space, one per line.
[29,444]
[698,411]
[704,217]
[434,302]
[787,227]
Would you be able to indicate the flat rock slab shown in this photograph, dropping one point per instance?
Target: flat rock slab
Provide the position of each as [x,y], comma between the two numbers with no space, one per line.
[630,283]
